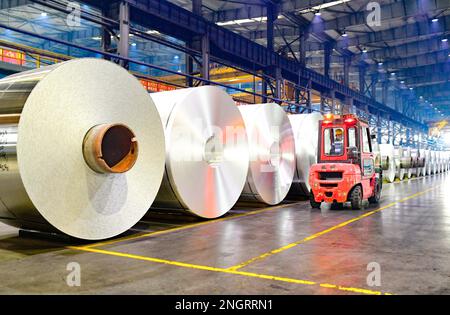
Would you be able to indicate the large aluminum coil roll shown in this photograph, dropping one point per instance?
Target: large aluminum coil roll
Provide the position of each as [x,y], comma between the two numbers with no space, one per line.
[445,161]
[408,161]
[86,157]
[272,153]
[439,161]
[436,163]
[387,154]
[415,170]
[306,135]
[378,160]
[385,163]
[404,154]
[428,162]
[207,156]
[377,154]
[400,169]
[420,158]
[433,162]
[414,153]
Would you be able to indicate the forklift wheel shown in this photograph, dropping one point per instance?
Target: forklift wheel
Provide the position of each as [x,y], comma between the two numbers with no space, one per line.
[313,202]
[356,198]
[377,196]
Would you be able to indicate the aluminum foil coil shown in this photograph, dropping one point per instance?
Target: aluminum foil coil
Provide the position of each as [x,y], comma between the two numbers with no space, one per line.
[272,153]
[378,160]
[439,161]
[400,163]
[416,170]
[385,162]
[420,157]
[444,161]
[207,155]
[377,154]
[428,164]
[404,153]
[415,157]
[387,153]
[306,135]
[86,157]
[408,161]
[433,162]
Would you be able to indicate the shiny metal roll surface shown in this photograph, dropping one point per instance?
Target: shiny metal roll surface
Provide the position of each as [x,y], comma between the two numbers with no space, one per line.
[404,155]
[306,135]
[429,162]
[439,161]
[387,153]
[408,161]
[207,156]
[45,182]
[414,153]
[423,161]
[272,153]
[433,162]
[385,163]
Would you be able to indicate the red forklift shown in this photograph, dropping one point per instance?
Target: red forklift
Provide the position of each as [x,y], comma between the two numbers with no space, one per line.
[346,170]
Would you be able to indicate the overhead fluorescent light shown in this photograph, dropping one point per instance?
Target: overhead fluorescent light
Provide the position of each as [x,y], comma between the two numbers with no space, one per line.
[243,21]
[323,6]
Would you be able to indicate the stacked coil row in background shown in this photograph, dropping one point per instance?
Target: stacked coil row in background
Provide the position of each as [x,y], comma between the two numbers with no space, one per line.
[85,151]
[400,163]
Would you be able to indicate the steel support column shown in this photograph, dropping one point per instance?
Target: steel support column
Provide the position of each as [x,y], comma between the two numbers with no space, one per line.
[205,56]
[373,85]
[302,46]
[105,33]
[328,49]
[279,81]
[362,79]
[124,22]
[347,63]
[379,135]
[384,94]
[197,7]
[271,17]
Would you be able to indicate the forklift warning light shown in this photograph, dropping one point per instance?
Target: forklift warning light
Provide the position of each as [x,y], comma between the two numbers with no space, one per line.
[328,118]
[349,120]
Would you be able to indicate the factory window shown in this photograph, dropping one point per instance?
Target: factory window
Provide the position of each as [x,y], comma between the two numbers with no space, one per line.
[366,140]
[352,137]
[334,141]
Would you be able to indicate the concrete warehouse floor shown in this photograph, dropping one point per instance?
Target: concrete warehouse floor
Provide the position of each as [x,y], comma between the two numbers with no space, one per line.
[290,249]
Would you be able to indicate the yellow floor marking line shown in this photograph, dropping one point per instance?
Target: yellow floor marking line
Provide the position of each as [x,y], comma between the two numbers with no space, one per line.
[184,227]
[311,237]
[227,271]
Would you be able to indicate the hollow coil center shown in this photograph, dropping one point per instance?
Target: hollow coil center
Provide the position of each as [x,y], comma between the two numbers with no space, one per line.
[213,152]
[274,153]
[110,148]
